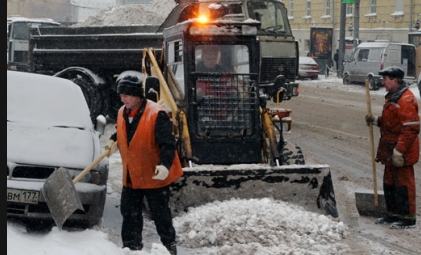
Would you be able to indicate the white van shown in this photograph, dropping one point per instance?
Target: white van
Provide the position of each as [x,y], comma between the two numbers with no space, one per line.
[371,57]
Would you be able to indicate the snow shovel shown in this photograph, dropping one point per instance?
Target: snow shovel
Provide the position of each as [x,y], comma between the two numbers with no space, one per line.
[60,193]
[369,204]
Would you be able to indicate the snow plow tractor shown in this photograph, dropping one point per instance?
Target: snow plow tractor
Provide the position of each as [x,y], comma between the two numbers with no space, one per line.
[227,118]
[231,144]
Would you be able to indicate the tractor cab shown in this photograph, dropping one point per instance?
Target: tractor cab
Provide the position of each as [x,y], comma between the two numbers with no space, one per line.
[215,67]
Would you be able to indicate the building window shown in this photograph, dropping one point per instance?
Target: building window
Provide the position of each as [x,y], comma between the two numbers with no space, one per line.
[398,9]
[291,9]
[349,10]
[398,6]
[373,5]
[308,8]
[327,7]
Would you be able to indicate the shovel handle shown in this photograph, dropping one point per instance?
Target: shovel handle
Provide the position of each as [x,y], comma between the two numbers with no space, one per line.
[89,168]
[373,161]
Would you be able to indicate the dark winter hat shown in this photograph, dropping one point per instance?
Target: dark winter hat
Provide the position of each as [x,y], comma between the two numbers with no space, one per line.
[130,84]
[393,72]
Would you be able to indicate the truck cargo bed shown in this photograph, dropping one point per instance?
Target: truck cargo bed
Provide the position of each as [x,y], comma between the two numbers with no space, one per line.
[96,48]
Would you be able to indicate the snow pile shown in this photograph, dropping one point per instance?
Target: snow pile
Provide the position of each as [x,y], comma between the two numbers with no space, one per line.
[277,226]
[153,13]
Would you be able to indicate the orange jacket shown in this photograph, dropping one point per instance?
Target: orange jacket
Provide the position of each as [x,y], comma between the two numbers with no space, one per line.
[141,156]
[399,127]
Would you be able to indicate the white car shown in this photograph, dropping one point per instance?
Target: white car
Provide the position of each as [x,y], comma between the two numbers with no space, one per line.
[308,68]
[49,126]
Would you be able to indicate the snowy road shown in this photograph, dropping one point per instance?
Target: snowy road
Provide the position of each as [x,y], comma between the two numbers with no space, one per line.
[328,124]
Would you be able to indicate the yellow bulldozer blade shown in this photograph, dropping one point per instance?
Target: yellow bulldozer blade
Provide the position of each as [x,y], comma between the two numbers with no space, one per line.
[307,185]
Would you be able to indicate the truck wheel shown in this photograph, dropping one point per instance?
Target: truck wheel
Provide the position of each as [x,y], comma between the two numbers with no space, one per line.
[346,80]
[292,154]
[114,104]
[372,84]
[92,98]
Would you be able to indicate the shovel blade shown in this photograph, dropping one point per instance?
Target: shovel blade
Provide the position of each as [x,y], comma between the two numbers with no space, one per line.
[366,206]
[61,196]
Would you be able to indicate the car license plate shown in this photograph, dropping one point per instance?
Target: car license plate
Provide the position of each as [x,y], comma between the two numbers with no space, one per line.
[22,196]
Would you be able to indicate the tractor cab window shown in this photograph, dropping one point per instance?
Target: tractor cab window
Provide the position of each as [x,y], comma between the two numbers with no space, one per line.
[222,59]
[272,15]
[175,66]
[225,94]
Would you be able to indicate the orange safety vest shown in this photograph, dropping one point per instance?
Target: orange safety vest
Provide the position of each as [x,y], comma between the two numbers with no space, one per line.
[141,157]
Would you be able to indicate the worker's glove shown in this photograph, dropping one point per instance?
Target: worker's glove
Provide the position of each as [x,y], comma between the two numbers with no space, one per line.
[111,147]
[397,158]
[161,173]
[371,120]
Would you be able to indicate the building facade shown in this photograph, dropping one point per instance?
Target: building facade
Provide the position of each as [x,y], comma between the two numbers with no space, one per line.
[377,19]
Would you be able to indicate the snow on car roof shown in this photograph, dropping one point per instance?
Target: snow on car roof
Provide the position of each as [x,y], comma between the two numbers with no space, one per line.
[37,98]
[307,60]
[40,20]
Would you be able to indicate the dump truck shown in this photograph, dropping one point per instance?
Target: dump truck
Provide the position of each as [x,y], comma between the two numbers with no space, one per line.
[231,141]
[95,55]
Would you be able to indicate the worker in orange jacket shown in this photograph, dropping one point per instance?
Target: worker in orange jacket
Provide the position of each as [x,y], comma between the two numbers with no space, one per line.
[150,163]
[398,148]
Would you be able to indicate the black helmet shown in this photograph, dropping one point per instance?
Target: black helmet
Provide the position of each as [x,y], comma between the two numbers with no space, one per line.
[393,72]
[130,83]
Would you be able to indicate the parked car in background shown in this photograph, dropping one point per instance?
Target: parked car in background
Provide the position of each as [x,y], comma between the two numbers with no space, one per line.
[49,126]
[308,68]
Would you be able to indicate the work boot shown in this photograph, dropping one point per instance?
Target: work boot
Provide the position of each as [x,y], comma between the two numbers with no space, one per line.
[133,246]
[403,224]
[172,248]
[386,220]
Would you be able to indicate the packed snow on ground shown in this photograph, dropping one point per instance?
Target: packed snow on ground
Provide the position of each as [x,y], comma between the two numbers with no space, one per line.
[255,226]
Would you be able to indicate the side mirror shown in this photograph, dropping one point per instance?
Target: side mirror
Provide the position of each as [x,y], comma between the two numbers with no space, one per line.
[100,124]
[278,89]
[152,89]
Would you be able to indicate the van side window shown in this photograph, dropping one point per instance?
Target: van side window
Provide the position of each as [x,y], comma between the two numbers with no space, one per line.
[393,56]
[375,55]
[363,55]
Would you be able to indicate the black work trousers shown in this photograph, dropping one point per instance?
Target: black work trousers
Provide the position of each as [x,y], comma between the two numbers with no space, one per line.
[131,210]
